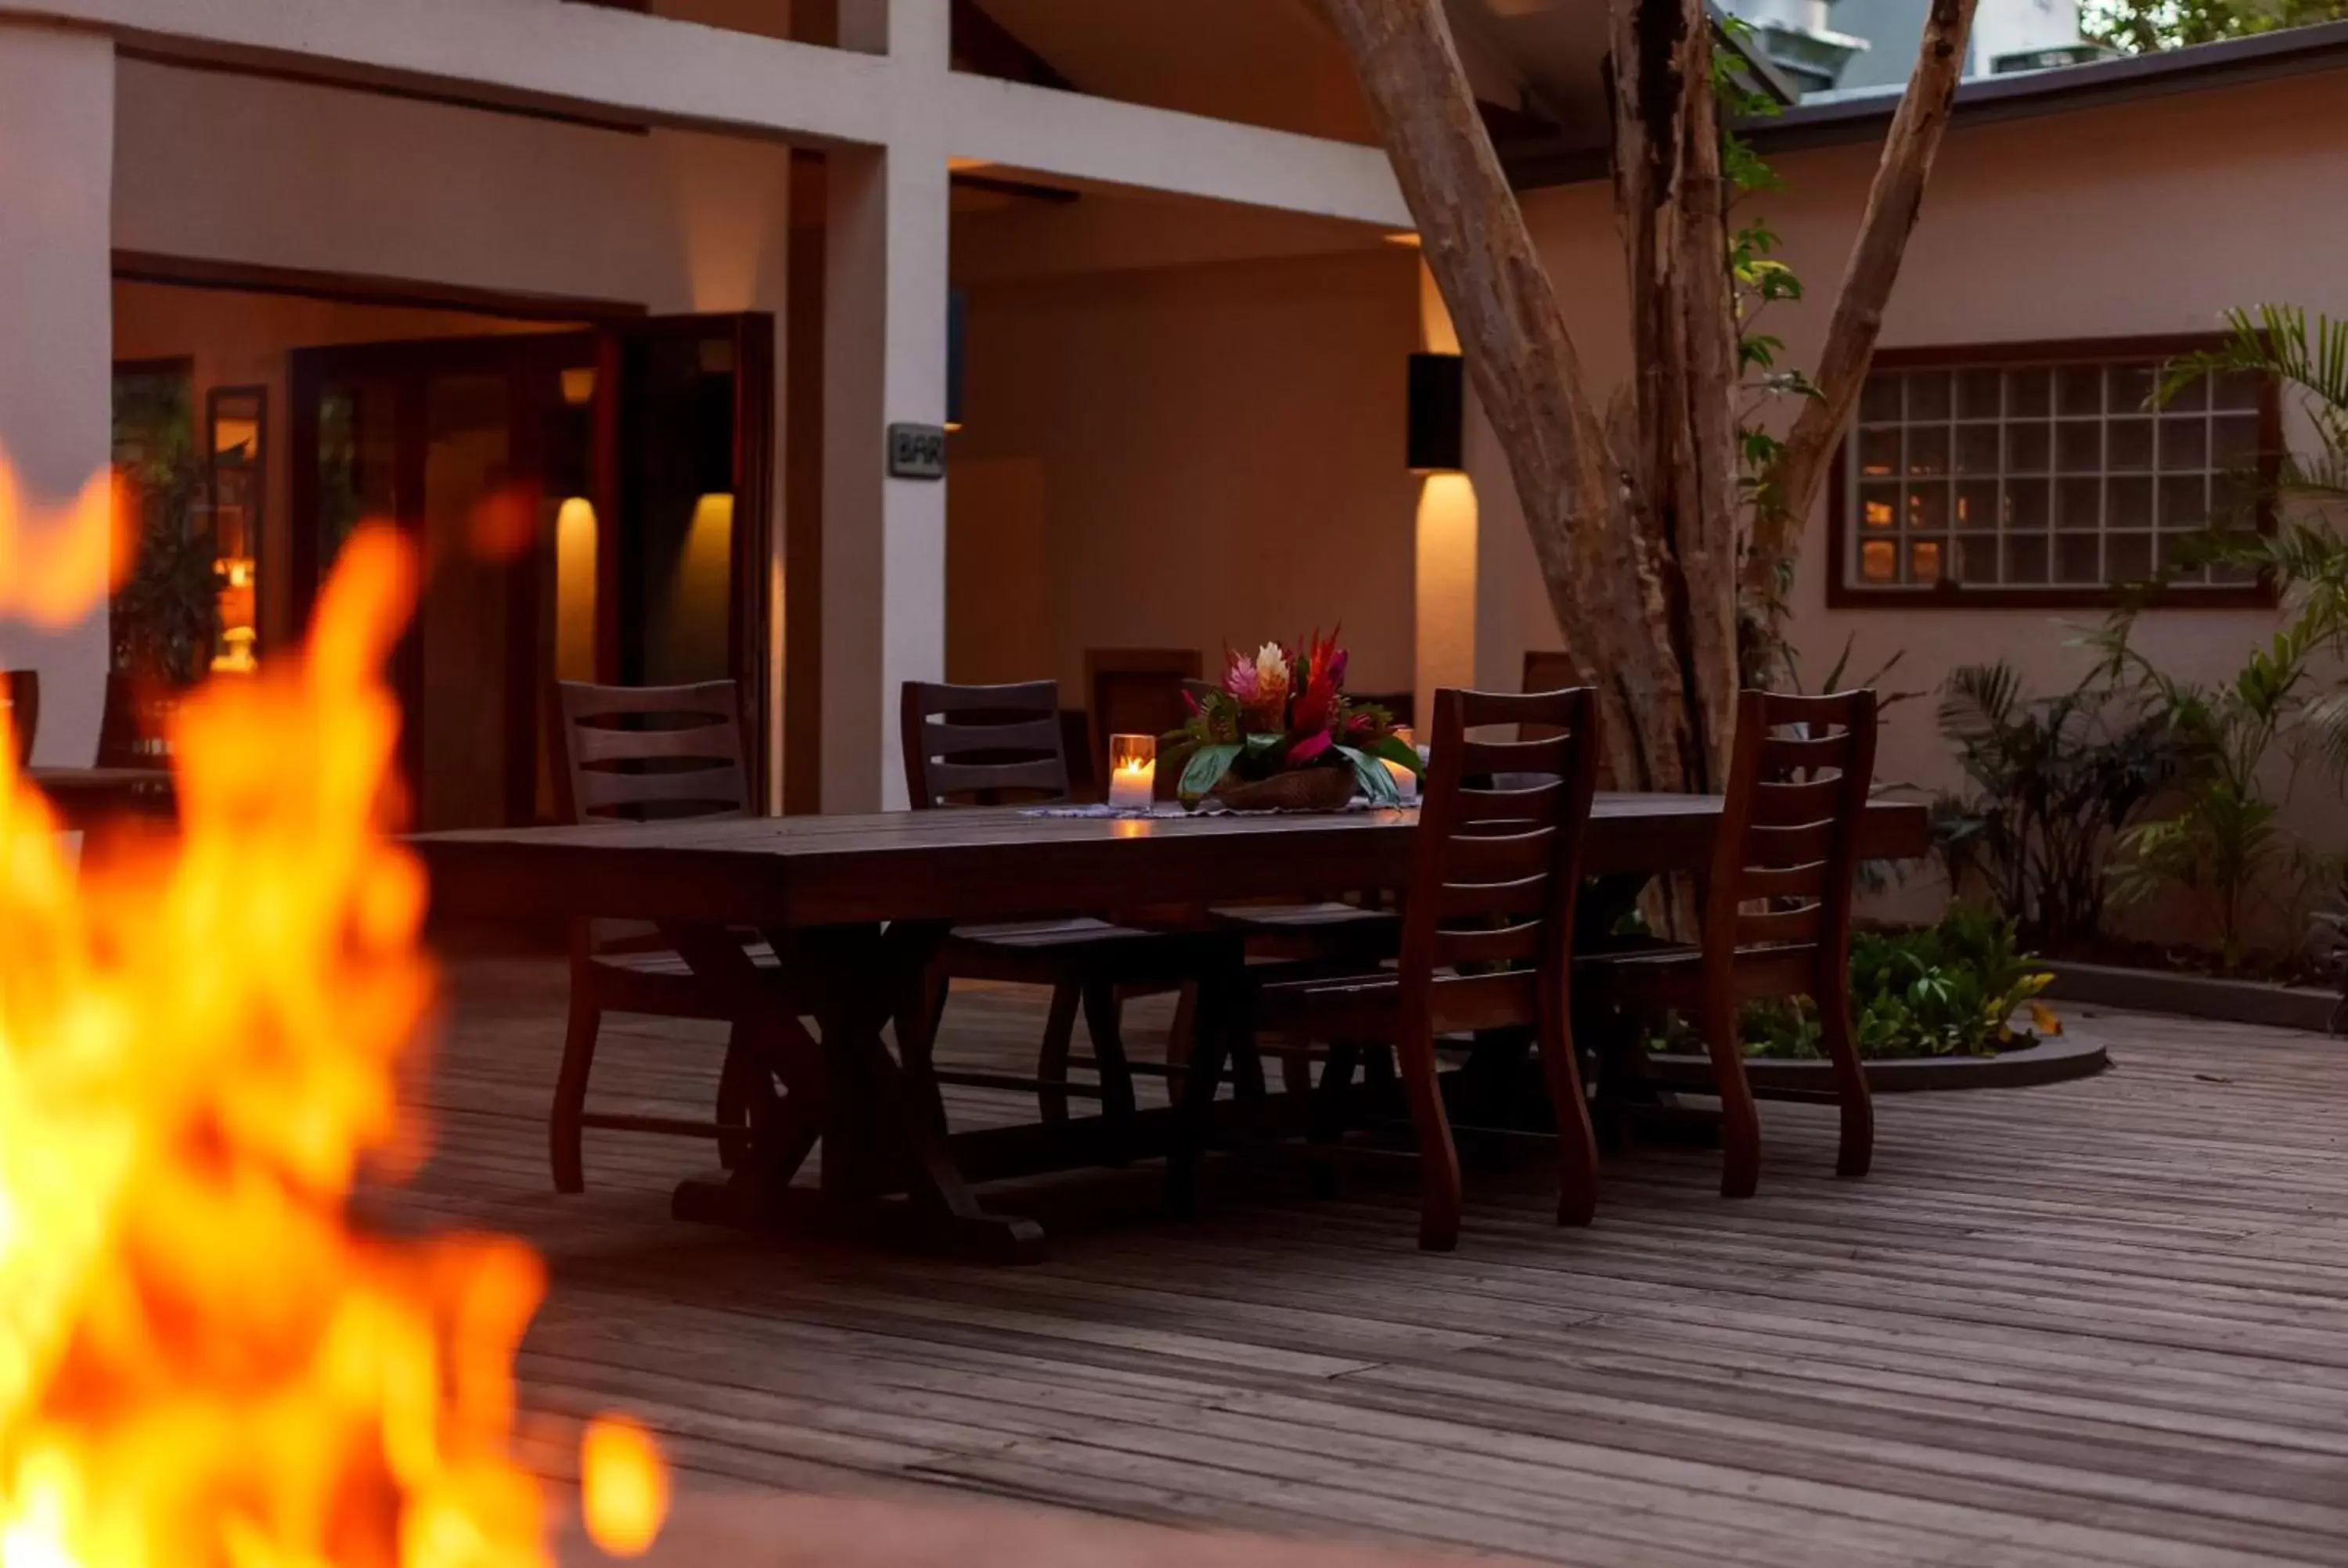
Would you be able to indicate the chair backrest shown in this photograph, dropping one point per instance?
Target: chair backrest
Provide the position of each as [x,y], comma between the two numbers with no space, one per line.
[649,753]
[1496,870]
[20,698]
[134,724]
[983,745]
[1135,692]
[1782,866]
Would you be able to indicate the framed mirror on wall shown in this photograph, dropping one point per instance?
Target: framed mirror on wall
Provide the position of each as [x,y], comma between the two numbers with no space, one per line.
[236,449]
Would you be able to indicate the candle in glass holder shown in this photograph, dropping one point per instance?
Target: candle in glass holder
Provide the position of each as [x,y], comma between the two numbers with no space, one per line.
[1404,780]
[1132,771]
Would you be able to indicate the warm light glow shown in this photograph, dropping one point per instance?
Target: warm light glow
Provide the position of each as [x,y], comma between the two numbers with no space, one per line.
[202,1362]
[958,165]
[1877,563]
[575,590]
[1404,780]
[1408,241]
[579,385]
[57,563]
[1132,771]
[1445,594]
[1436,331]
[235,437]
[624,1486]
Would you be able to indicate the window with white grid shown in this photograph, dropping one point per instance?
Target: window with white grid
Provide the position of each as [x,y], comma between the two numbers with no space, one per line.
[2042,477]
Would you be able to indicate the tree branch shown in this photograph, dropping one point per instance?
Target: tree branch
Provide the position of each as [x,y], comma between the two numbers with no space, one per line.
[1892,205]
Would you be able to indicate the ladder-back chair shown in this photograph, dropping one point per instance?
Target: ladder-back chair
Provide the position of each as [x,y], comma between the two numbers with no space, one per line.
[646,754]
[1487,936]
[1001,745]
[1777,912]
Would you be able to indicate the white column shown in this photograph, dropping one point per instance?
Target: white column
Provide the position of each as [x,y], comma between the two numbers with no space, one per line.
[884,540]
[56,331]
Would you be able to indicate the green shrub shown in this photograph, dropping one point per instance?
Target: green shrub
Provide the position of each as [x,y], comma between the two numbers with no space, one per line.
[1952,989]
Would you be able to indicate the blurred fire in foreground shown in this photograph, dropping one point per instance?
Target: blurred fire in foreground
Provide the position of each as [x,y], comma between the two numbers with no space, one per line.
[202,1363]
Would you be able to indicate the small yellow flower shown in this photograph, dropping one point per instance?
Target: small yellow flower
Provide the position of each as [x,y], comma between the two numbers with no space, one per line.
[2043,1017]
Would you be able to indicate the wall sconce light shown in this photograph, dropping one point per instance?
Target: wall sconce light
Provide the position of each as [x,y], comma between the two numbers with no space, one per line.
[957,338]
[1438,413]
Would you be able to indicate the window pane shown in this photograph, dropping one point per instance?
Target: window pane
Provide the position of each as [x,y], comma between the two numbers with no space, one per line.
[1928,395]
[1924,557]
[2030,507]
[1879,506]
[2078,558]
[2184,501]
[1977,449]
[2027,395]
[1879,402]
[1975,561]
[1927,508]
[2025,558]
[1977,507]
[2128,503]
[2234,499]
[2173,553]
[2234,442]
[2183,444]
[1928,449]
[1879,562]
[2132,386]
[2079,389]
[1977,394]
[2129,444]
[2237,389]
[1878,450]
[2027,448]
[2127,558]
[2079,505]
[2079,446]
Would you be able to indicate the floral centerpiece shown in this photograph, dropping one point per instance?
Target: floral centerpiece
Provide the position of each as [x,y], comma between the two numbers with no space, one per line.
[1281,732]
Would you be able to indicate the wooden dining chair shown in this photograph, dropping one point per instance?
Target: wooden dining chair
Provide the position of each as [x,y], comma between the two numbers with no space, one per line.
[1001,745]
[1776,907]
[644,754]
[20,698]
[1487,924]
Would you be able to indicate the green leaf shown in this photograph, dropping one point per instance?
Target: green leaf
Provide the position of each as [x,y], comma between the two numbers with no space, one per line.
[1370,776]
[1205,770]
[1394,749]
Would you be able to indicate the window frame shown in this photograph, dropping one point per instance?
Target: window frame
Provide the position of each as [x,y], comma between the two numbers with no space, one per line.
[1844,593]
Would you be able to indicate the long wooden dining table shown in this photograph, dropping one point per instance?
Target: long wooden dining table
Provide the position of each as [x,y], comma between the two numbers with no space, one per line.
[857,906]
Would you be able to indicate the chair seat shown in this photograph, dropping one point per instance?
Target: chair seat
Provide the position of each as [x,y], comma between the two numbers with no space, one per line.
[1327,915]
[1078,948]
[1673,976]
[1355,1009]
[667,961]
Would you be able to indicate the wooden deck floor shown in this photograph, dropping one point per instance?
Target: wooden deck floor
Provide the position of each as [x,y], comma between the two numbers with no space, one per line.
[2102,1323]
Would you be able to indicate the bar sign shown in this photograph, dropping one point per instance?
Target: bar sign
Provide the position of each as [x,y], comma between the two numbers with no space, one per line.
[917,452]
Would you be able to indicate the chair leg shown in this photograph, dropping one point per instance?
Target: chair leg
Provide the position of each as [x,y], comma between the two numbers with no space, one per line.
[1104,1022]
[736,1081]
[1185,1024]
[563,1126]
[1195,1118]
[1330,1102]
[1740,1120]
[1439,1203]
[1857,1152]
[1052,1056]
[1577,1140]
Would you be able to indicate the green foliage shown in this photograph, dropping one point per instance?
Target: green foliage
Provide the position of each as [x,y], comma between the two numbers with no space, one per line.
[167,611]
[2242,743]
[2052,783]
[2144,26]
[1956,988]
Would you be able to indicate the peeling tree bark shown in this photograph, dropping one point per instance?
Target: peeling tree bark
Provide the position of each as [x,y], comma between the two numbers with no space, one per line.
[1635,517]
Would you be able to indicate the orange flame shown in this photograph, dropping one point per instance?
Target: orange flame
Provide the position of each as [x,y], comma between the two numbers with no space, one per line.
[60,561]
[201,1364]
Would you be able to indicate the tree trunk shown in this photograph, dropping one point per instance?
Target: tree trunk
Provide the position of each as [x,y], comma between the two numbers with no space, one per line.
[1636,518]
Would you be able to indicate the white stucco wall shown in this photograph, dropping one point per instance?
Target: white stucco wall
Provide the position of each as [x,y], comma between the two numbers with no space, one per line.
[2147,217]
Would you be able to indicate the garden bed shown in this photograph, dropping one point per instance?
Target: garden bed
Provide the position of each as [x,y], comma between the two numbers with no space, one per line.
[2198,996]
[2054,1060]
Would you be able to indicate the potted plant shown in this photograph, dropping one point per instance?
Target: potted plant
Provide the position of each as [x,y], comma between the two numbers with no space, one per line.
[1280,734]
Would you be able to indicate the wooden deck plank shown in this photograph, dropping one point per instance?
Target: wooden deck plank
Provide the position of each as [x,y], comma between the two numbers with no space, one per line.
[2098,1322]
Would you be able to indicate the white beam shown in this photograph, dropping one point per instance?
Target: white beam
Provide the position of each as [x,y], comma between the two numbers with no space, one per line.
[56,333]
[599,63]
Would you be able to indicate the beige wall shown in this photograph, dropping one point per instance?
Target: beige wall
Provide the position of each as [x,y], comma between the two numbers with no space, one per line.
[2148,218]
[1181,457]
